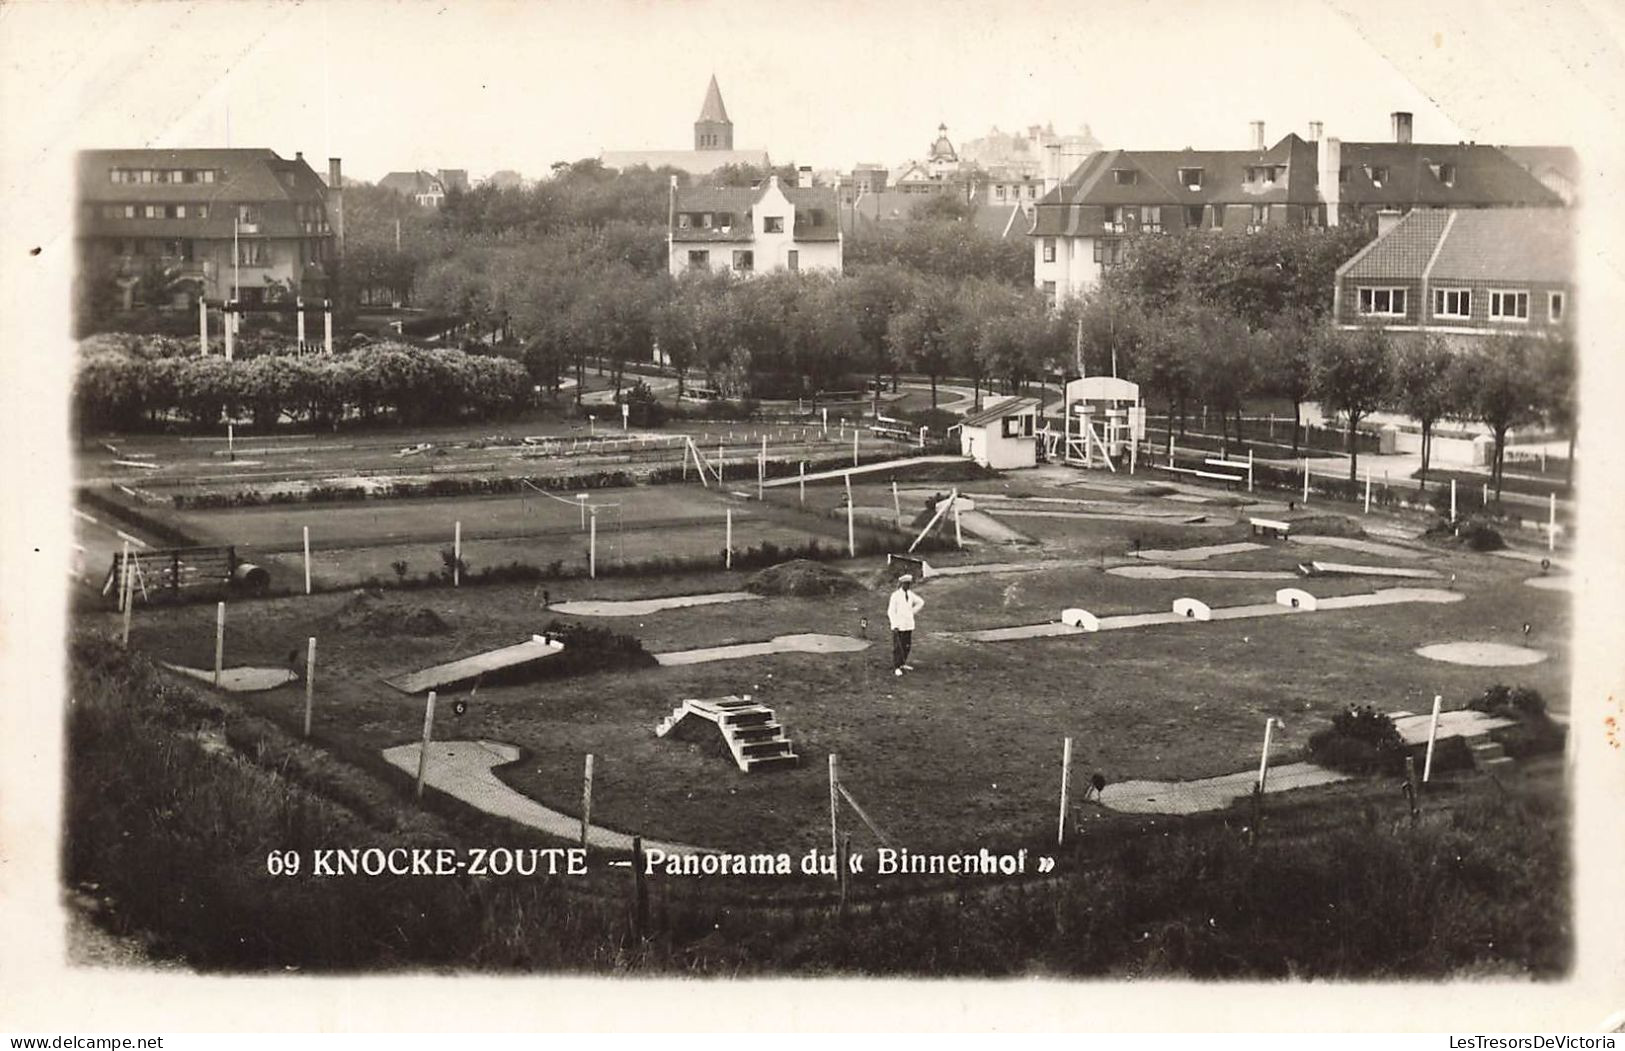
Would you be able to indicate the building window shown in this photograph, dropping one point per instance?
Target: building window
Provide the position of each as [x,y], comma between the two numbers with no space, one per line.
[1108,251]
[725,220]
[1032,192]
[200,211]
[253,253]
[1049,249]
[1193,216]
[1378,174]
[1452,302]
[1191,178]
[773,224]
[1447,174]
[1151,218]
[1260,219]
[1382,302]
[705,221]
[1115,219]
[699,257]
[684,221]
[744,261]
[1049,292]
[1125,176]
[998,193]
[1509,306]
[793,260]
[1555,302]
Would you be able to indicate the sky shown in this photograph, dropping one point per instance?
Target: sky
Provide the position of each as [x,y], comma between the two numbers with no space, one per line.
[492,85]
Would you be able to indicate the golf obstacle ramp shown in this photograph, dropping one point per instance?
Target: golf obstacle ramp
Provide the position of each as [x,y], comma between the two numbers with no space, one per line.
[750,730]
[493,664]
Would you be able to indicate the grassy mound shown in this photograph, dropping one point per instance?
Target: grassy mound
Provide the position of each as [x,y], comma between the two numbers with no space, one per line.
[1476,532]
[1327,525]
[803,579]
[372,613]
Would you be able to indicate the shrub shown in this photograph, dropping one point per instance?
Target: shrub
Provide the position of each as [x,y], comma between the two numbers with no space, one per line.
[1361,740]
[590,649]
[643,409]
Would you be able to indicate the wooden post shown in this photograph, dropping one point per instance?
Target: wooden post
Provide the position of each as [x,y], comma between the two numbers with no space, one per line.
[851,536]
[1264,760]
[586,800]
[231,441]
[761,471]
[728,542]
[959,537]
[327,326]
[307,559]
[719,464]
[228,317]
[1433,735]
[127,595]
[1249,470]
[1452,499]
[457,555]
[640,891]
[310,681]
[299,322]
[803,483]
[834,797]
[1484,495]
[124,577]
[1412,788]
[219,640]
[592,545]
[854,445]
[897,505]
[202,327]
[1306,479]
[1368,490]
[1551,523]
[842,865]
[1066,788]
[428,735]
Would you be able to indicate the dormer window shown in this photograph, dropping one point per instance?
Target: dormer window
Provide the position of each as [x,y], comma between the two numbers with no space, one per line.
[1446,174]
[1378,174]
[705,220]
[1125,176]
[725,220]
[773,224]
[684,221]
[1191,178]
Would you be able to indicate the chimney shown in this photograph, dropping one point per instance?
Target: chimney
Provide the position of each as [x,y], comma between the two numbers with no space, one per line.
[1387,219]
[335,201]
[1402,125]
[1328,165]
[1258,134]
[1315,128]
[804,178]
[1052,166]
[298,155]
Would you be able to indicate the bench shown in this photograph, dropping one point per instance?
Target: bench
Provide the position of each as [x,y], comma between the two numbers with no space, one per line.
[1270,527]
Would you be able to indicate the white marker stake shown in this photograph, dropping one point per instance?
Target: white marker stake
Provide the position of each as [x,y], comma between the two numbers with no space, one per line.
[719,463]
[1452,499]
[586,801]
[428,734]
[826,422]
[1306,479]
[327,327]
[626,415]
[851,537]
[761,473]
[897,505]
[202,326]
[310,682]
[219,640]
[1368,490]
[457,555]
[854,445]
[299,322]
[728,542]
[231,442]
[1066,788]
[959,538]
[1264,760]
[1484,495]
[592,545]
[124,577]
[307,559]
[834,813]
[1433,734]
[127,597]
[803,483]
[1551,524]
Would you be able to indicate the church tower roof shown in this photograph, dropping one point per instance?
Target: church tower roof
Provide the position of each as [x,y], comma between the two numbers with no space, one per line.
[712,109]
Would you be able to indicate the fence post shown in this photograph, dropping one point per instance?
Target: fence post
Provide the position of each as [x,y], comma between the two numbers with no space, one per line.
[1066,788]
[719,463]
[457,555]
[202,326]
[123,575]
[1412,789]
[761,471]
[854,445]
[851,536]
[897,505]
[1264,760]
[1433,735]
[127,594]
[640,891]
[307,559]
[586,801]
[310,682]
[834,789]
[1368,490]
[728,541]
[231,441]
[959,537]
[1551,523]
[592,545]
[219,640]
[423,750]
[1452,499]
[1306,479]
[299,323]
[826,421]
[803,482]
[1484,495]
[1249,470]
[841,867]
[327,327]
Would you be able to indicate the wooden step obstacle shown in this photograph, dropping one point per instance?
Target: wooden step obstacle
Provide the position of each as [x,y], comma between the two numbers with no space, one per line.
[1270,527]
[490,665]
[752,733]
[156,571]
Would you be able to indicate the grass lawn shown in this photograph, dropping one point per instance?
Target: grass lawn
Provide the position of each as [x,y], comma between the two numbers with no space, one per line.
[963,752]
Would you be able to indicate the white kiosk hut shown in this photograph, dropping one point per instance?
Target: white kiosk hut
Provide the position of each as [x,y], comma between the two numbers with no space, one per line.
[1104,419]
[1003,435]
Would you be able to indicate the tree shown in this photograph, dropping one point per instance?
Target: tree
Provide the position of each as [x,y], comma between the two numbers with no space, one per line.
[1350,375]
[1166,364]
[1287,353]
[1559,393]
[1224,366]
[1498,385]
[942,208]
[1424,388]
[918,335]
[871,297]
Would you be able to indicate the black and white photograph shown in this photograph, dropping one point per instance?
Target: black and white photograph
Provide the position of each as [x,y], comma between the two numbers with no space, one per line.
[962,515]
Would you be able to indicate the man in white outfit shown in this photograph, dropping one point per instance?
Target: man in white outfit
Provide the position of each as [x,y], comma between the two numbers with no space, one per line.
[900,611]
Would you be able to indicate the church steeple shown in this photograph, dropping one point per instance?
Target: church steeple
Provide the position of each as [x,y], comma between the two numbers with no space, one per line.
[713,131]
